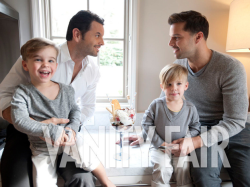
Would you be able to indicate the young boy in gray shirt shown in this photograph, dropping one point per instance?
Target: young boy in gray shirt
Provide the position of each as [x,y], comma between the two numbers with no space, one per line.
[169,114]
[42,99]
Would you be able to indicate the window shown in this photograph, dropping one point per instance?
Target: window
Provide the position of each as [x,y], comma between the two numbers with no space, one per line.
[113,56]
[117,58]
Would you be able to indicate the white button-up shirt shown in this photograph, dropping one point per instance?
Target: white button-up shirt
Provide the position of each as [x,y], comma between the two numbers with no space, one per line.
[84,83]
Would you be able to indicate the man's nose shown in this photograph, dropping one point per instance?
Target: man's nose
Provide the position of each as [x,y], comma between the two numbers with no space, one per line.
[171,42]
[102,41]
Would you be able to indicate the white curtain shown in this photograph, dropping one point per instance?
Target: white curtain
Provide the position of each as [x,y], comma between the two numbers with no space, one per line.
[38,18]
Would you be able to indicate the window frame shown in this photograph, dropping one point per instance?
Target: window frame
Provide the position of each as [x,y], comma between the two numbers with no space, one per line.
[131,14]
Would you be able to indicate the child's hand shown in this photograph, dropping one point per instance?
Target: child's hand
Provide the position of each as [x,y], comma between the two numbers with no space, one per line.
[63,138]
[165,147]
[72,139]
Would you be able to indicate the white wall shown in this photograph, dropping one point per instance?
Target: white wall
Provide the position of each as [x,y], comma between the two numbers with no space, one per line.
[23,8]
[153,50]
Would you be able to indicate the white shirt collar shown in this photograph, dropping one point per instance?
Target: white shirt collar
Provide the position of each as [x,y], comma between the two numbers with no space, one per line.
[65,56]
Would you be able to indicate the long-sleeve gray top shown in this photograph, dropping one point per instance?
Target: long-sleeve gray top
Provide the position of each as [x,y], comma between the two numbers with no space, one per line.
[158,115]
[28,103]
[219,91]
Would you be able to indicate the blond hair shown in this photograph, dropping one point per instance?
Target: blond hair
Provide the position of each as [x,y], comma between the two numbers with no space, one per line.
[34,45]
[172,72]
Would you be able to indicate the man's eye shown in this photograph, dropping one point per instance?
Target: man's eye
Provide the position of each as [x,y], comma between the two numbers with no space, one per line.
[97,36]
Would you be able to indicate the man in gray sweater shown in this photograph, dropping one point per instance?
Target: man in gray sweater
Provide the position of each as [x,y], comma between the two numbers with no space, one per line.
[218,89]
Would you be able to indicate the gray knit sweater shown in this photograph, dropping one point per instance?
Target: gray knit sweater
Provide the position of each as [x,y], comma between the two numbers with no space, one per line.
[28,103]
[158,115]
[219,93]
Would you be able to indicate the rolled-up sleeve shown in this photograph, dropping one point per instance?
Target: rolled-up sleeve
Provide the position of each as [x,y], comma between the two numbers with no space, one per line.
[16,76]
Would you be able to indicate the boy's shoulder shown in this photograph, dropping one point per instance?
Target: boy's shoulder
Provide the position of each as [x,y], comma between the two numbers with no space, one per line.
[160,100]
[157,102]
[66,88]
[25,87]
[190,105]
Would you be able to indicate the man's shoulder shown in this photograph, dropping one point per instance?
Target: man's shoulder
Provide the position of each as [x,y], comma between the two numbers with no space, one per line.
[222,59]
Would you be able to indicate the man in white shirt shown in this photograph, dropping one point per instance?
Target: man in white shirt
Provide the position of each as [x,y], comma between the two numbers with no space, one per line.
[75,67]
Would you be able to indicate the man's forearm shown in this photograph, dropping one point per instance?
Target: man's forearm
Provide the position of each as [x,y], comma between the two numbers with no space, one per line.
[100,174]
[198,142]
[7,115]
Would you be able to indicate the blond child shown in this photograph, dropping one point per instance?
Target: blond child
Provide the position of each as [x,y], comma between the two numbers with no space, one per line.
[42,99]
[166,114]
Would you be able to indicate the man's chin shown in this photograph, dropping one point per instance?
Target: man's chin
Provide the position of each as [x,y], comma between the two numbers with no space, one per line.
[179,57]
[93,55]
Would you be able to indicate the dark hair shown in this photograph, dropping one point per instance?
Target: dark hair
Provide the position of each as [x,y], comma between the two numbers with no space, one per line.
[82,21]
[34,45]
[195,22]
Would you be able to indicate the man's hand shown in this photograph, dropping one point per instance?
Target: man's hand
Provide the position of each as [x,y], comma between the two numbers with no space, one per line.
[7,114]
[186,145]
[134,138]
[56,121]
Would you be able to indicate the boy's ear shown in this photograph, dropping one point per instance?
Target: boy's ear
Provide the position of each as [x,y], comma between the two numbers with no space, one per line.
[186,86]
[24,64]
[161,86]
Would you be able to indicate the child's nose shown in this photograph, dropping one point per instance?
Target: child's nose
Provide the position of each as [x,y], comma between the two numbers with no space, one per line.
[45,64]
[174,87]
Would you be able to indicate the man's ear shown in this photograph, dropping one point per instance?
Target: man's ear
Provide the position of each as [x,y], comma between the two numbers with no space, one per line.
[24,64]
[77,35]
[186,86]
[198,37]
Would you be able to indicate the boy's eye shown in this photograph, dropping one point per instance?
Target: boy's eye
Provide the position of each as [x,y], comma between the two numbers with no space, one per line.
[37,59]
[179,83]
[51,61]
[169,84]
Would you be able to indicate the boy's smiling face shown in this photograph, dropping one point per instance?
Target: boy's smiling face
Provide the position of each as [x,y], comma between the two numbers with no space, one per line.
[41,65]
[174,90]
